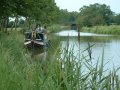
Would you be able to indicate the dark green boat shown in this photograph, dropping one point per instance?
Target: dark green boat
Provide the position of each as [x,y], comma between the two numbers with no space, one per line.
[35,39]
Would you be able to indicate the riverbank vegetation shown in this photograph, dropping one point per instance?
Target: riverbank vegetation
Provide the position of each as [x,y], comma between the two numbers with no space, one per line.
[99,18]
[57,28]
[54,28]
[112,29]
[20,71]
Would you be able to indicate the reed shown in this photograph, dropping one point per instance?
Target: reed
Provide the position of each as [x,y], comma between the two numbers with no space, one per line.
[61,70]
[112,29]
[54,28]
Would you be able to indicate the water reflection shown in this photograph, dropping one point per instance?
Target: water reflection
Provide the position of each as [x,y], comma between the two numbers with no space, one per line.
[37,54]
[75,33]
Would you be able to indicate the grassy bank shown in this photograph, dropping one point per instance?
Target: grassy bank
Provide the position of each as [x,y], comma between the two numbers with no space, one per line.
[19,71]
[54,28]
[112,29]
[57,27]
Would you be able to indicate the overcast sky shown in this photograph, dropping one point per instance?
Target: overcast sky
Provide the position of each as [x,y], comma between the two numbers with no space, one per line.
[75,5]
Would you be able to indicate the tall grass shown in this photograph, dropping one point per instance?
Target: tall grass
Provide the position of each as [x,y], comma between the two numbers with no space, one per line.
[18,71]
[54,28]
[58,27]
[112,29]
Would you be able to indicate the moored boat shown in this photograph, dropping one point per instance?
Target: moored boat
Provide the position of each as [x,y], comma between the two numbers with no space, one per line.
[36,39]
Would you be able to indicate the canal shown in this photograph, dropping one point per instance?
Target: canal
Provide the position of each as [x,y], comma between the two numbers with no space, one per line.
[101,45]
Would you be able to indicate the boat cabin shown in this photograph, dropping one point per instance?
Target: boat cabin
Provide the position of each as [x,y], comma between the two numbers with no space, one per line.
[35,38]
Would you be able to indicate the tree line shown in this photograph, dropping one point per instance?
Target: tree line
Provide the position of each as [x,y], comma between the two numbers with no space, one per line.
[92,15]
[47,12]
[42,11]
[39,11]
[97,14]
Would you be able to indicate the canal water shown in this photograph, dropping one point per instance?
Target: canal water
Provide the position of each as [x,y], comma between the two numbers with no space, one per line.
[108,45]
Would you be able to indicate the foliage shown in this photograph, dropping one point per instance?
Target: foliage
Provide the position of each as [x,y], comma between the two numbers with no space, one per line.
[95,14]
[66,17]
[112,29]
[18,71]
[43,11]
[116,19]
[54,28]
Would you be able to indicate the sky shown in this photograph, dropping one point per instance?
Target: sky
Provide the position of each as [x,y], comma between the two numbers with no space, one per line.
[75,5]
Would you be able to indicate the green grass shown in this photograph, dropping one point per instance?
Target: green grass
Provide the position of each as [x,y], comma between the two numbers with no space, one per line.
[54,28]
[57,28]
[112,29]
[18,71]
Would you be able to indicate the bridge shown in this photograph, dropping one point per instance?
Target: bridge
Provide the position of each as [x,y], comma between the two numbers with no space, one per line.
[73,25]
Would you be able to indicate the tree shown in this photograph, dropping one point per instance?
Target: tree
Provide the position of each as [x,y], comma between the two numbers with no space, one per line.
[95,14]
[67,17]
[116,19]
[43,11]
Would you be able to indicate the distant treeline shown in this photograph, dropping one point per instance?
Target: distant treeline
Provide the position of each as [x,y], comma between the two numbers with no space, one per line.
[92,15]
[47,12]
[97,14]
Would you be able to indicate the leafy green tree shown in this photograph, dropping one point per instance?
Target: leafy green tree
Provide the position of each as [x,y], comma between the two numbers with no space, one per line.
[116,19]
[67,17]
[43,11]
[95,14]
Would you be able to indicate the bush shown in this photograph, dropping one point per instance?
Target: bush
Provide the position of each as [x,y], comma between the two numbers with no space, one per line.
[54,28]
[113,29]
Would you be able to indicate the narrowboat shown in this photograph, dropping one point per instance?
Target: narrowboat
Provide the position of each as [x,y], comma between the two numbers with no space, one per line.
[36,39]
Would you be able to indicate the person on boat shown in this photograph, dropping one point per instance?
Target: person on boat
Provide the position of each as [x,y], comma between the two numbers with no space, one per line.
[38,27]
